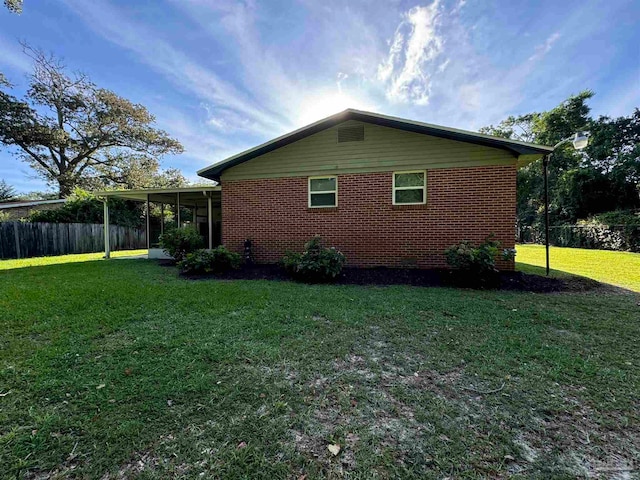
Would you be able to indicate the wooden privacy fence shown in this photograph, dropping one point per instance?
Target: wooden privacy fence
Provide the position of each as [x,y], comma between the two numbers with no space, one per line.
[24,240]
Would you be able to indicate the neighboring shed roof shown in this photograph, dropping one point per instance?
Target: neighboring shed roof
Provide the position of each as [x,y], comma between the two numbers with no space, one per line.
[30,203]
[517,148]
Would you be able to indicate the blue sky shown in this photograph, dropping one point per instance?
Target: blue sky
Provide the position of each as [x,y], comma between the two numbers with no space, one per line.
[222,76]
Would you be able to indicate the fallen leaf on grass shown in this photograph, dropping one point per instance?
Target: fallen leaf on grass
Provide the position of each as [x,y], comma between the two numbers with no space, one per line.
[241,445]
[334,448]
[102,385]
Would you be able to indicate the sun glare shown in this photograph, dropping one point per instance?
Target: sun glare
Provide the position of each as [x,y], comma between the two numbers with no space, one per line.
[319,106]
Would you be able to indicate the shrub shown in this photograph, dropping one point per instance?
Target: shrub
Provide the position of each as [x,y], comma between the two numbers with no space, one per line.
[83,207]
[178,242]
[476,265]
[315,264]
[218,260]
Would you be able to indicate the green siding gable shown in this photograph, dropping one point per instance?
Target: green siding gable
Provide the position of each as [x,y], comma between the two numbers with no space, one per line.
[383,149]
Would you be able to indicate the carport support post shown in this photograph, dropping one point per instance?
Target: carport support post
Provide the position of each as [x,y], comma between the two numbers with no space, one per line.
[161,218]
[545,174]
[178,208]
[210,220]
[107,246]
[147,211]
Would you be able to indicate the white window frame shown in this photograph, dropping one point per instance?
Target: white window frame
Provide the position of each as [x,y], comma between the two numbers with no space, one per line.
[309,193]
[424,188]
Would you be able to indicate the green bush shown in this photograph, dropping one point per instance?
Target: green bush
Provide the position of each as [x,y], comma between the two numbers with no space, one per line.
[617,217]
[83,207]
[476,265]
[179,242]
[218,260]
[616,230]
[315,264]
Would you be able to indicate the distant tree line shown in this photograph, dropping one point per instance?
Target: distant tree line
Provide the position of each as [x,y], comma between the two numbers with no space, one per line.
[605,177]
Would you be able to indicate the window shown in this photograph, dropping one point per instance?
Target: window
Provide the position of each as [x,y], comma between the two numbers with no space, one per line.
[410,188]
[323,192]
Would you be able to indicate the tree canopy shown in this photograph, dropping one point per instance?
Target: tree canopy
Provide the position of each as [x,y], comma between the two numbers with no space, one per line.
[73,133]
[604,177]
[14,5]
[7,192]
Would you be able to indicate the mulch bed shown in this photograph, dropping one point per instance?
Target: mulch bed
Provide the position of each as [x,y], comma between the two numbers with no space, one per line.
[513,281]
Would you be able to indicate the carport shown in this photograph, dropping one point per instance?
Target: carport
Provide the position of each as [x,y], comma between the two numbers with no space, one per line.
[199,207]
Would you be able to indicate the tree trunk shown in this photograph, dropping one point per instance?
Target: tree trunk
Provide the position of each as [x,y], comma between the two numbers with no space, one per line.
[65,186]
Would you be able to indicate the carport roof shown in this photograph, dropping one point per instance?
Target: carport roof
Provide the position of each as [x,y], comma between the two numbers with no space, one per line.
[166,195]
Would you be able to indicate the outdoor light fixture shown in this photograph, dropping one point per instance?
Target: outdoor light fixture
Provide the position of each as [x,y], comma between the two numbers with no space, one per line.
[580,141]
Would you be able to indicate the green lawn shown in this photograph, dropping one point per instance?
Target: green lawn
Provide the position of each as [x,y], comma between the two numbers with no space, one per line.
[616,268]
[121,369]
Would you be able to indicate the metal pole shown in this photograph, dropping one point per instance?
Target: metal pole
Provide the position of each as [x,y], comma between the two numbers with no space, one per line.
[210,219]
[107,246]
[148,224]
[545,168]
[161,218]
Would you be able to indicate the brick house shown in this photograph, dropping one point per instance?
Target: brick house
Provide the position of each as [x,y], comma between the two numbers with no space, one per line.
[384,190]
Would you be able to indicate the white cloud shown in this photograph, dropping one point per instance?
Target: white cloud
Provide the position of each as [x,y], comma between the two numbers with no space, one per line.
[413,52]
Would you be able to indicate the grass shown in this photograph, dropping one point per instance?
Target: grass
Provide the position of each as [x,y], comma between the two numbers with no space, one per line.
[121,369]
[616,268]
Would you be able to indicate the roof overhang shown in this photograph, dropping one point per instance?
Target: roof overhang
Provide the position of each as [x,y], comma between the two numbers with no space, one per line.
[528,151]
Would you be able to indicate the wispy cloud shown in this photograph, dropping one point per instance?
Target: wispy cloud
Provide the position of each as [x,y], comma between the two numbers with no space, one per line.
[413,51]
[544,48]
[12,56]
[173,63]
[281,75]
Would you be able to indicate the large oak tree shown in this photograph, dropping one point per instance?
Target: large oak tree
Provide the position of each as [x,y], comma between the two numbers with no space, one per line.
[71,132]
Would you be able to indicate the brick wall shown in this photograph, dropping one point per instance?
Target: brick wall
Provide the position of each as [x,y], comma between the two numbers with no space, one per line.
[462,203]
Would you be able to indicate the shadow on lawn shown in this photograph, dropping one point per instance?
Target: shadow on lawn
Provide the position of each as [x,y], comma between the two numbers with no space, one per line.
[572,281]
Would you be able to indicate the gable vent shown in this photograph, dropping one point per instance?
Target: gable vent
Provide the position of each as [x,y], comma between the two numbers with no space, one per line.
[351,134]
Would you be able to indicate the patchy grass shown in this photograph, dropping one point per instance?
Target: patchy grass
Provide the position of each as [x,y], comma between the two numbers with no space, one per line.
[616,268]
[121,369]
